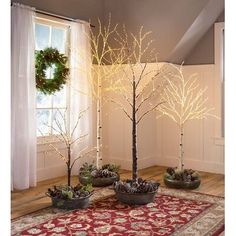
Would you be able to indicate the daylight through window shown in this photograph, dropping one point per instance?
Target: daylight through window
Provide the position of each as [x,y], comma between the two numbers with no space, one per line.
[50,107]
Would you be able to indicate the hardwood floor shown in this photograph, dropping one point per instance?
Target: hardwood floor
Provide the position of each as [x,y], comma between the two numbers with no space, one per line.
[30,200]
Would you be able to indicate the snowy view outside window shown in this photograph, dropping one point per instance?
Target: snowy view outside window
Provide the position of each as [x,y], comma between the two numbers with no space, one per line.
[53,106]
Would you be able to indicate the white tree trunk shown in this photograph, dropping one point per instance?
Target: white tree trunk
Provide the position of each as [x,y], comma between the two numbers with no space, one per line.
[181,149]
[99,125]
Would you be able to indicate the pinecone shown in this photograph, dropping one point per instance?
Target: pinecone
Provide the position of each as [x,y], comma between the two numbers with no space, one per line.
[170,171]
[105,173]
[178,175]
[95,173]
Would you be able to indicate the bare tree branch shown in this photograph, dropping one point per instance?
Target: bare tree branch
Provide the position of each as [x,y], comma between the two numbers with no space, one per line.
[151,109]
[77,122]
[82,155]
[122,108]
[57,151]
[184,102]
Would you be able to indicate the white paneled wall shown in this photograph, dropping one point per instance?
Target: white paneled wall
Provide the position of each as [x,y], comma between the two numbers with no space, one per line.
[117,135]
[117,139]
[158,140]
[48,164]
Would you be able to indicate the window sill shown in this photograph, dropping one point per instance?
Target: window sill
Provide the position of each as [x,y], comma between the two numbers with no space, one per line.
[44,142]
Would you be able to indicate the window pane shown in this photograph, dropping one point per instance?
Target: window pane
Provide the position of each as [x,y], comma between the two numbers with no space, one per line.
[43,121]
[42,33]
[50,71]
[58,39]
[49,35]
[59,98]
[43,101]
[58,121]
[223,87]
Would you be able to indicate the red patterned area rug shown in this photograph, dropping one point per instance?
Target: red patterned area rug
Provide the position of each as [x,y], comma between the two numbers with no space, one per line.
[174,212]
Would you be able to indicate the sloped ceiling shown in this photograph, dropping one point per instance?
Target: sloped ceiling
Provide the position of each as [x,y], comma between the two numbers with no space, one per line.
[204,51]
[176,25]
[197,30]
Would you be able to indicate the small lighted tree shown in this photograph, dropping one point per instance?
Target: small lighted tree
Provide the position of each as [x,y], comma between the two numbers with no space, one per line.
[185,101]
[66,135]
[137,88]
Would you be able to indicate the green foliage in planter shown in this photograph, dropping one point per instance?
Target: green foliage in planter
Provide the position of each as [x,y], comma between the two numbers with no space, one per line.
[186,175]
[106,171]
[168,176]
[111,167]
[68,192]
[86,188]
[86,169]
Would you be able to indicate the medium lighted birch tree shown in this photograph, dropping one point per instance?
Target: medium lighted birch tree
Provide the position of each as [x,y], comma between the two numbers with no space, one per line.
[137,87]
[106,62]
[185,101]
[65,134]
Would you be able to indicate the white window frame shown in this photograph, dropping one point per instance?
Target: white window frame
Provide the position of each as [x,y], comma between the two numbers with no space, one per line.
[57,23]
[219,28]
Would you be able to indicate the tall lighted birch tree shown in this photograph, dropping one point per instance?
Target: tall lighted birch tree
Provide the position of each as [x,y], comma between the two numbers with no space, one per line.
[138,86]
[107,61]
[185,101]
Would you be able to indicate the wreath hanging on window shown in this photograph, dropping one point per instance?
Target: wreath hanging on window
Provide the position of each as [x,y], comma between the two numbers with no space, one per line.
[47,58]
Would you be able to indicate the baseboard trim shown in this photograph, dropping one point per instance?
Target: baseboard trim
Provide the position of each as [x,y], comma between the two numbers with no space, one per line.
[200,165]
[212,167]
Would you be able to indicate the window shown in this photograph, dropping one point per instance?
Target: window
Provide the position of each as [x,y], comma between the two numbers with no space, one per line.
[49,33]
[223,86]
[220,81]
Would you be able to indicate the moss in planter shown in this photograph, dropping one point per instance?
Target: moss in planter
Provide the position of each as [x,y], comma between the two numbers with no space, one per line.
[68,192]
[186,179]
[104,176]
[136,187]
[106,171]
[67,197]
[187,175]
[111,167]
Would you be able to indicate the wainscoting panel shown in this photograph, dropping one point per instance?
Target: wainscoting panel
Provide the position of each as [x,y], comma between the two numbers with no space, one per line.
[158,139]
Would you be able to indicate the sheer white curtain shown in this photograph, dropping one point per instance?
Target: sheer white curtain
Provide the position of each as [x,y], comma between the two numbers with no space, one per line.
[81,100]
[23,120]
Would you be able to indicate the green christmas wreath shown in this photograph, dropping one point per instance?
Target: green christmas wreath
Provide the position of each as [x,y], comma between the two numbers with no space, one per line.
[47,58]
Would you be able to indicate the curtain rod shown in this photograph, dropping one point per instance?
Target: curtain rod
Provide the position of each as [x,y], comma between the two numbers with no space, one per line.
[57,16]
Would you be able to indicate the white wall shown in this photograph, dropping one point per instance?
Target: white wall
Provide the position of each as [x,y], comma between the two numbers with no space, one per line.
[203,145]
[48,164]
[158,140]
[117,133]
